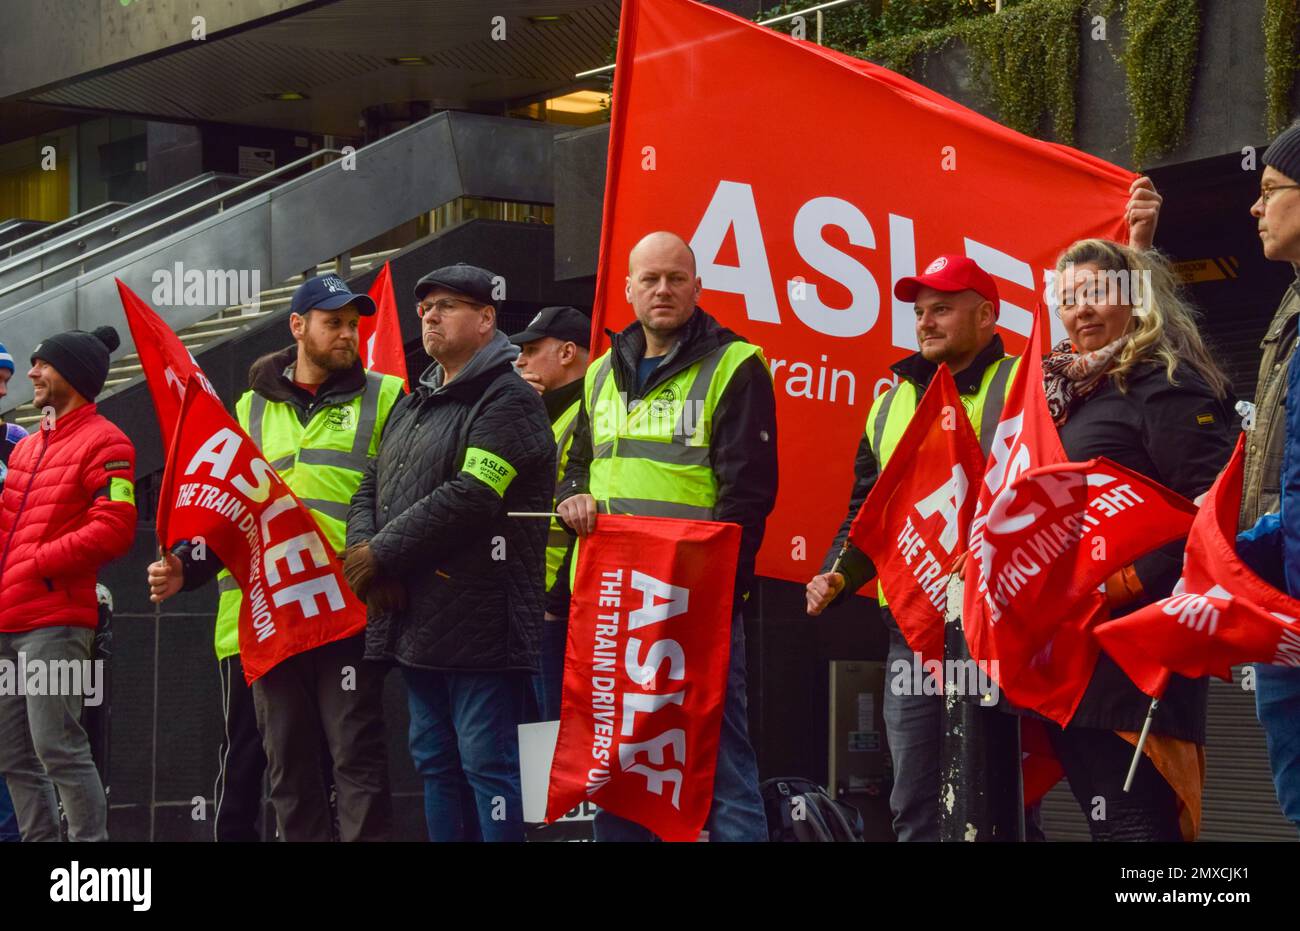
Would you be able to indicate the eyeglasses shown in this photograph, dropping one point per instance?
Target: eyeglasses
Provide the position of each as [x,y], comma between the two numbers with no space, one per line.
[441,307]
[1266,192]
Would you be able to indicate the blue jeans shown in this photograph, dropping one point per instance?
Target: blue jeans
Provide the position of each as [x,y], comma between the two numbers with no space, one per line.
[8,819]
[550,679]
[1277,703]
[464,742]
[737,811]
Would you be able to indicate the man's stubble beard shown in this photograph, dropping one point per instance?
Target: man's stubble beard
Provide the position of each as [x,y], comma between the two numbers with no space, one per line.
[328,361]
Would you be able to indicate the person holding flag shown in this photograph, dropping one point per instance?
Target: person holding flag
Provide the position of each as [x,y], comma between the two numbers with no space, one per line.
[956,323]
[68,507]
[956,318]
[553,352]
[317,416]
[1135,383]
[723,467]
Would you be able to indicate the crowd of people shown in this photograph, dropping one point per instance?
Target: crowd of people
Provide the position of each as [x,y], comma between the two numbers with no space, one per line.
[471,603]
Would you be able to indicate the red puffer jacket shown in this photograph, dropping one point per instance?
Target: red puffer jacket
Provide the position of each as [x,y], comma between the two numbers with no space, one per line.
[68,508]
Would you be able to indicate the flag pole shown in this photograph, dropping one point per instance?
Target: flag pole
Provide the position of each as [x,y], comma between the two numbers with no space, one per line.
[839,558]
[531,514]
[1142,739]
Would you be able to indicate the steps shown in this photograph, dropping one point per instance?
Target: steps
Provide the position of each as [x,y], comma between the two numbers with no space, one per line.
[194,337]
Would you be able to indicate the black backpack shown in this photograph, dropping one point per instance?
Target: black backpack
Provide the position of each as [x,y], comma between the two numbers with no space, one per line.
[799,810]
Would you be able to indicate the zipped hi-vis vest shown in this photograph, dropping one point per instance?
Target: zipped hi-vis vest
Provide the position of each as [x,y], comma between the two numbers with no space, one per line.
[651,457]
[892,412]
[557,540]
[322,461]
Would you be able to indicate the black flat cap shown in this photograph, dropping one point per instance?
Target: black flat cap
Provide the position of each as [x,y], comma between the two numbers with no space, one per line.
[473,282]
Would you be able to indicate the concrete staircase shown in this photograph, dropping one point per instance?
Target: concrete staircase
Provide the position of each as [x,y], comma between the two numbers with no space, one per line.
[228,321]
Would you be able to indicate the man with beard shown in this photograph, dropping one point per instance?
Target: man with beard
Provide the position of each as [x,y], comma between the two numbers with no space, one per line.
[317,415]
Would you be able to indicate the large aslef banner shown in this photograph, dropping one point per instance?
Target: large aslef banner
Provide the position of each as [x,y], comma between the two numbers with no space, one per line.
[808,182]
[216,486]
[645,672]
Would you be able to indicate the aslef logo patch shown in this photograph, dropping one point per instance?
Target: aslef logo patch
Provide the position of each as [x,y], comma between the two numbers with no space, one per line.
[936,266]
[103,884]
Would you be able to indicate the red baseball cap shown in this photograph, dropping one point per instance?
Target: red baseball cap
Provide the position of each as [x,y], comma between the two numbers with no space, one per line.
[950,273]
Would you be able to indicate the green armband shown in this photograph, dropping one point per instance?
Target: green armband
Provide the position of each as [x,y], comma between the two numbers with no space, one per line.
[490,469]
[121,489]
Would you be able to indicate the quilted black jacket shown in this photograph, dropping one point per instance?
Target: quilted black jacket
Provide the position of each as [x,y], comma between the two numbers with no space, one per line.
[473,577]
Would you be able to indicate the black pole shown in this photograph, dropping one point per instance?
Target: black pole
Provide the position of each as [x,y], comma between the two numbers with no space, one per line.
[981,795]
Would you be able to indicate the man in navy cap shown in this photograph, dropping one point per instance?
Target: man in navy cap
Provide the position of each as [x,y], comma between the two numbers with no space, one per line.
[317,415]
[553,353]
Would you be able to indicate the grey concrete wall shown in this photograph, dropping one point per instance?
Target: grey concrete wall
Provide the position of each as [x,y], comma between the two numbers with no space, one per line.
[44,42]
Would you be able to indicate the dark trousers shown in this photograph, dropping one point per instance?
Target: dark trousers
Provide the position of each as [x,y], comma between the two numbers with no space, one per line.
[1096,762]
[329,690]
[241,765]
[914,730]
[913,727]
[549,680]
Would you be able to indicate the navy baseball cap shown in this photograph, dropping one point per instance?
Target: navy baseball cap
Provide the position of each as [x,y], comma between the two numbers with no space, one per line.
[473,282]
[328,292]
[565,323]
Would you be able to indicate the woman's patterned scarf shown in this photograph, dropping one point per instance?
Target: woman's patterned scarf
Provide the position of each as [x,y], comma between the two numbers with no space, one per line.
[1069,376]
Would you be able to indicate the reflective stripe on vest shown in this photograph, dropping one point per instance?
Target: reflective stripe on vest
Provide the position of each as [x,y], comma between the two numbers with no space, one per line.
[893,411]
[653,458]
[557,538]
[322,461]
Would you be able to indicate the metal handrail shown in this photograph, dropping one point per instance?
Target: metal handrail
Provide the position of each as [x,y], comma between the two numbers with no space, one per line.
[128,210]
[762,22]
[81,259]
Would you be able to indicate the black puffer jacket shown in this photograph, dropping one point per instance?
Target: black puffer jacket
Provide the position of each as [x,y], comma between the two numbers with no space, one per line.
[1181,436]
[473,577]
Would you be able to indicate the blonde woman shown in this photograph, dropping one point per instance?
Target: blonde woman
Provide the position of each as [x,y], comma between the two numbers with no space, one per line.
[1134,382]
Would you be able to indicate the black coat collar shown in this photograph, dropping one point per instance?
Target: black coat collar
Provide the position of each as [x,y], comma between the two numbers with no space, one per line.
[917,370]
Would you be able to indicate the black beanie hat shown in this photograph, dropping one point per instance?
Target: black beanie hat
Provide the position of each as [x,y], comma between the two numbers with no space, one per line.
[80,357]
[1284,153]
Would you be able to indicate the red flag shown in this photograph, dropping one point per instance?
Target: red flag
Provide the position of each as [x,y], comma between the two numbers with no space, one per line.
[645,672]
[803,261]
[1057,532]
[1039,767]
[166,363]
[1050,678]
[918,513]
[216,486]
[381,334]
[1220,613]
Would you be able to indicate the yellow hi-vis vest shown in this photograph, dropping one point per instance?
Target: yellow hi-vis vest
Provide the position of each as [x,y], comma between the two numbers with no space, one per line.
[651,457]
[558,539]
[892,412]
[322,461]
